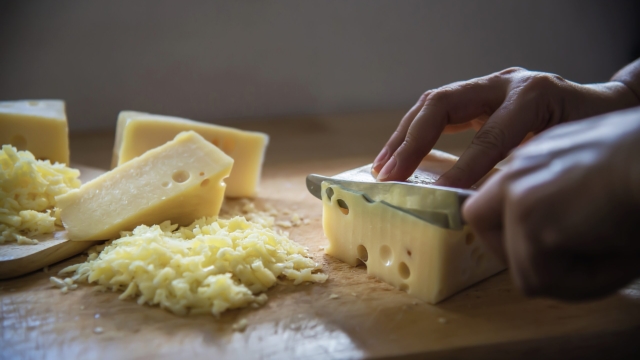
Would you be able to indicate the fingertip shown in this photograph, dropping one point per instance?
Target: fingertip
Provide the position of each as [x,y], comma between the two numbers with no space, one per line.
[380,160]
[387,169]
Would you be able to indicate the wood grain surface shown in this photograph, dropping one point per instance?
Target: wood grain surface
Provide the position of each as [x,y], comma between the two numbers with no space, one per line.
[368,319]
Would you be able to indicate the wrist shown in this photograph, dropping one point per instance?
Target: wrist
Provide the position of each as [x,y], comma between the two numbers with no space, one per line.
[615,96]
[597,99]
[629,76]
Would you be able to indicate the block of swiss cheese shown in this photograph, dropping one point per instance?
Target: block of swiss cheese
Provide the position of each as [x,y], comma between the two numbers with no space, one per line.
[425,260]
[180,181]
[137,132]
[39,126]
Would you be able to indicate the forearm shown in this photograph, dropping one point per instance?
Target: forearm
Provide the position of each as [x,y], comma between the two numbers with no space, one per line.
[630,77]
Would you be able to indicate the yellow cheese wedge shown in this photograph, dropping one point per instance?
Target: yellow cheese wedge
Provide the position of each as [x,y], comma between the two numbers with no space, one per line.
[39,126]
[138,132]
[426,261]
[179,181]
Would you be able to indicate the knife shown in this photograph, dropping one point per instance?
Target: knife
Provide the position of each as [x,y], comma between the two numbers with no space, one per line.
[437,205]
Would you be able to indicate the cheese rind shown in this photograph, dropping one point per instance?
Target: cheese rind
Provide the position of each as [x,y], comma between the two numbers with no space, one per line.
[138,132]
[179,181]
[39,126]
[426,261]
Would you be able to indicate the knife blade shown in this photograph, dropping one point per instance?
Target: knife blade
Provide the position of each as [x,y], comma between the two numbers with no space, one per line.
[437,205]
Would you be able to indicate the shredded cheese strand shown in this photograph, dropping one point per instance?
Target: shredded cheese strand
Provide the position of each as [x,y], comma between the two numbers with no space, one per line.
[209,266]
[28,188]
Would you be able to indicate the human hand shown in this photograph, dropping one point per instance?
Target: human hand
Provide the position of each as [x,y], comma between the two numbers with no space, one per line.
[504,106]
[565,210]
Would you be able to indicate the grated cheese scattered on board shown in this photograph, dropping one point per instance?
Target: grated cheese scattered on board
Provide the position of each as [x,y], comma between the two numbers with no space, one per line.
[209,266]
[28,188]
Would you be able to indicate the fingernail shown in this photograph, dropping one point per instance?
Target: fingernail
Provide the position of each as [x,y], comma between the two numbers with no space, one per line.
[380,159]
[388,168]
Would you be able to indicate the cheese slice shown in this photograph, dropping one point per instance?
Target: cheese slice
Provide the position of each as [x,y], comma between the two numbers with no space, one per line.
[427,261]
[138,132]
[39,126]
[179,181]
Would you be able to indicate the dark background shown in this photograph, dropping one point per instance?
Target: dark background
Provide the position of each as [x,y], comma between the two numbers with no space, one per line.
[219,61]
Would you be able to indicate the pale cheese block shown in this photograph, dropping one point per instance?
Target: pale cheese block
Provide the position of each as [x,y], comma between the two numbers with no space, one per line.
[179,181]
[427,261]
[138,132]
[39,126]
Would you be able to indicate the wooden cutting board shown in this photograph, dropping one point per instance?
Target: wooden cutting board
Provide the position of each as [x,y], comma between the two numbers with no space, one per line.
[369,319]
[16,260]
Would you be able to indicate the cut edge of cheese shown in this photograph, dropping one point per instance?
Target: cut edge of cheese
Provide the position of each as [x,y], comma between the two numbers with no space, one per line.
[137,132]
[179,181]
[39,126]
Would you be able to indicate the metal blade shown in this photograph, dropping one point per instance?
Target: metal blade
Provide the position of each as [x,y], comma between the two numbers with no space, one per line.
[434,204]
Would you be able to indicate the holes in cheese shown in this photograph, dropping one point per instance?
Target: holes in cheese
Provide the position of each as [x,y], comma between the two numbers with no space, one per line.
[130,195]
[363,254]
[386,255]
[138,132]
[427,261]
[39,126]
[329,192]
[404,270]
[343,206]
[180,176]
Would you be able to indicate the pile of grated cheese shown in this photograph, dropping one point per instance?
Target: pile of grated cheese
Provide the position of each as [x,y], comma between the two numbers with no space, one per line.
[28,188]
[209,266]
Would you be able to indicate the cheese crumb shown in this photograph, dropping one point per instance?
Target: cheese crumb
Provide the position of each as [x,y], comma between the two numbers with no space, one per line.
[28,188]
[296,220]
[334,296]
[285,224]
[98,330]
[57,282]
[209,266]
[240,325]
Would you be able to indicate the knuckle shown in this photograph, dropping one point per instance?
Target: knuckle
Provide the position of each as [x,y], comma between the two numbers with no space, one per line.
[411,142]
[540,83]
[440,96]
[425,95]
[512,70]
[491,139]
